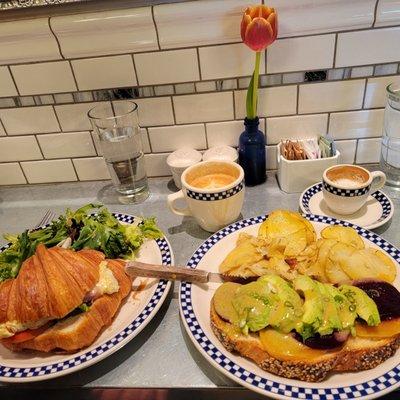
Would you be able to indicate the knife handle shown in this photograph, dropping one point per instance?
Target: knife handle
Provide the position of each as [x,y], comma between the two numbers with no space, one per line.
[136,268]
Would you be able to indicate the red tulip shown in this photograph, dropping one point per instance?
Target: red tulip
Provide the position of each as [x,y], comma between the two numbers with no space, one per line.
[259,27]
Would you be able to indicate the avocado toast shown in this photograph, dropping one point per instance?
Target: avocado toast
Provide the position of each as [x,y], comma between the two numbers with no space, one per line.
[306,329]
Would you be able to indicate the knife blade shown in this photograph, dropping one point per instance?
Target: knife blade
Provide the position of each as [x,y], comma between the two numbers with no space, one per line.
[137,268]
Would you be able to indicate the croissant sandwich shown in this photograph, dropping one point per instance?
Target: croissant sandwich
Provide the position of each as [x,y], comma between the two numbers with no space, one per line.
[61,300]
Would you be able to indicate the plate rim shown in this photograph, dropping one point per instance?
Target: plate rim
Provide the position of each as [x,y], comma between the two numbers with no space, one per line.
[301,392]
[163,286]
[374,225]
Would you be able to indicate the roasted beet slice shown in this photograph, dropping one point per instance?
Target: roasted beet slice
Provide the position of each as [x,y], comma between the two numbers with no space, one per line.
[326,342]
[385,295]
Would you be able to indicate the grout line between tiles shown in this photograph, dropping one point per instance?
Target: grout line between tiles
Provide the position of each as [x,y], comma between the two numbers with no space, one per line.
[375,12]
[73,75]
[13,79]
[4,128]
[55,37]
[198,63]
[155,27]
[355,152]
[136,73]
[206,134]
[56,115]
[40,148]
[364,94]
[173,110]
[335,50]
[23,172]
[74,168]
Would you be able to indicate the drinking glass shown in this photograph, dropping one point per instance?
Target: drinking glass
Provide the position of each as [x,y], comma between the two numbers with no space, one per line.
[119,137]
[390,150]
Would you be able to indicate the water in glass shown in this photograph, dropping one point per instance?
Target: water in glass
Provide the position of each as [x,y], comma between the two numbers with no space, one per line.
[390,150]
[122,151]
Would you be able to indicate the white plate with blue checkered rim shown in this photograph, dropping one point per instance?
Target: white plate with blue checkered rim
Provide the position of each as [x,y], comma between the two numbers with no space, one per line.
[136,312]
[377,210]
[195,311]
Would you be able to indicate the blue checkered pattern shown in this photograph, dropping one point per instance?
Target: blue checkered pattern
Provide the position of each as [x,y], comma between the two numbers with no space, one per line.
[270,386]
[346,192]
[215,196]
[128,332]
[385,203]
[379,196]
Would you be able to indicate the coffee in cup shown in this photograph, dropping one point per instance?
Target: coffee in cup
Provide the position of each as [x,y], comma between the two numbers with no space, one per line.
[213,192]
[346,187]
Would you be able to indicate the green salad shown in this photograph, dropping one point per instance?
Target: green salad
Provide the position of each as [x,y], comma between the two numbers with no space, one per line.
[80,230]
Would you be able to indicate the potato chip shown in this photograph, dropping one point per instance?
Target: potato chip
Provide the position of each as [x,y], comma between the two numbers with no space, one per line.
[343,234]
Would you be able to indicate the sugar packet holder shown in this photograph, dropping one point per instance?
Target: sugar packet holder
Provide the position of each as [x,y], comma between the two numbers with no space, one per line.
[296,175]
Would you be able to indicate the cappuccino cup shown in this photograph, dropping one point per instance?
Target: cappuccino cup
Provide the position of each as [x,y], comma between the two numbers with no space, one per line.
[346,187]
[213,192]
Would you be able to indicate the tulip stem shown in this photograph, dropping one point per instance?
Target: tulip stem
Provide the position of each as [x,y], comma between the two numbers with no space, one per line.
[255,82]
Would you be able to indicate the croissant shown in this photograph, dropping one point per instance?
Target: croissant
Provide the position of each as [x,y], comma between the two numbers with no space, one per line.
[51,284]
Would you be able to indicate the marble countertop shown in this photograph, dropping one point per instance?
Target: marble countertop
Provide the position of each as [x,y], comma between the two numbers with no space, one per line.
[162,354]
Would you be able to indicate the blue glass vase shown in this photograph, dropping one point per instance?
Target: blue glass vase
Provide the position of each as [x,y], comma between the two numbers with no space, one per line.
[252,155]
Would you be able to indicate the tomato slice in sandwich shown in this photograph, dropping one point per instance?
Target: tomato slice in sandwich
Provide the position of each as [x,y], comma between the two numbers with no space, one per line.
[24,336]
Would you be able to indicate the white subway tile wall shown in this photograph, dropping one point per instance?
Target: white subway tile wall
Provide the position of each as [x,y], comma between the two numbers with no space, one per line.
[347,149]
[356,124]
[19,148]
[199,22]
[186,68]
[49,171]
[11,174]
[227,61]
[73,117]
[105,32]
[388,13]
[171,138]
[104,72]
[280,100]
[331,96]
[384,43]
[375,95]
[62,145]
[28,120]
[368,151]
[203,107]
[7,87]
[299,54]
[225,133]
[305,17]
[177,66]
[41,78]
[27,40]
[296,127]
[91,168]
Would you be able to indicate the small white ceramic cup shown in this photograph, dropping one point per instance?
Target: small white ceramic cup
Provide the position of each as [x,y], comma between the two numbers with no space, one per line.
[212,208]
[221,153]
[346,199]
[181,159]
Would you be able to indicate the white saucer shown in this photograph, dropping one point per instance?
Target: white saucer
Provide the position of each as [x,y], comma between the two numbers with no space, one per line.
[374,213]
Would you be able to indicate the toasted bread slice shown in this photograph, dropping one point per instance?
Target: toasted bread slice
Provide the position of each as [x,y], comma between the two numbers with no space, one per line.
[357,354]
[79,331]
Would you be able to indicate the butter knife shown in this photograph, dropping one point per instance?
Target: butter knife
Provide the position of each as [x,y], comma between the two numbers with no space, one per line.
[136,268]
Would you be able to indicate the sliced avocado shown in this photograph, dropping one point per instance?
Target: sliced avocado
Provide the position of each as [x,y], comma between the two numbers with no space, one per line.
[253,303]
[346,310]
[331,320]
[313,306]
[365,306]
[253,313]
[287,310]
[222,301]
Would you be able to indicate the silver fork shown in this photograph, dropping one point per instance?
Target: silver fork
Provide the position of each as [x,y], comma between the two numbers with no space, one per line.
[47,217]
